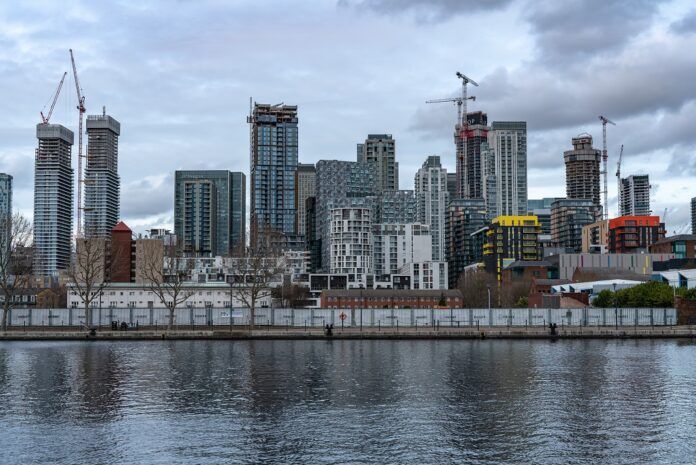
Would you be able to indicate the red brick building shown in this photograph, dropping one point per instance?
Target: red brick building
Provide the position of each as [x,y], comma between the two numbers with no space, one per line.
[121,267]
[632,234]
[391,298]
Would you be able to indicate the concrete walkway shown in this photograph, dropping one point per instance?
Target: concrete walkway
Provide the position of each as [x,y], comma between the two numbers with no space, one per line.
[568,332]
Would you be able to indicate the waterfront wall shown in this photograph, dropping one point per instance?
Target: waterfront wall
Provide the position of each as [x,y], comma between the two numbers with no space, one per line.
[365,317]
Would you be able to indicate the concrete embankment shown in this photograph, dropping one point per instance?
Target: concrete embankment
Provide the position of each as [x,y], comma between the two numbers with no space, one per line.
[568,332]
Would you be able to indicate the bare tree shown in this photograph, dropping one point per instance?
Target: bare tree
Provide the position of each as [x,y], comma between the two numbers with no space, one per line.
[291,295]
[15,266]
[254,273]
[166,271]
[88,272]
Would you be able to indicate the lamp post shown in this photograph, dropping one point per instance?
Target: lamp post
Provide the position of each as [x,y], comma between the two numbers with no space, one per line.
[616,308]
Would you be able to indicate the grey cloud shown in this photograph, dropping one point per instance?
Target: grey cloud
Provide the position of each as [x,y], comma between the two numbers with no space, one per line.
[147,197]
[686,25]
[426,10]
[570,30]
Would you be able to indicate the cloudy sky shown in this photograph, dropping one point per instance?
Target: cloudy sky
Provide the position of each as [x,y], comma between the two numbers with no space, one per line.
[178,76]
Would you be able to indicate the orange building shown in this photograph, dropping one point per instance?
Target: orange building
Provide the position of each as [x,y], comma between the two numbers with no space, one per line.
[631,234]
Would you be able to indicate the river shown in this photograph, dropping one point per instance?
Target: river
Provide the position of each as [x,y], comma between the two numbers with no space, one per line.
[348,401]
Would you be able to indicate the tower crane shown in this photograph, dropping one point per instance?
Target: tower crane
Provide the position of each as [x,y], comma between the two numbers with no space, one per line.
[46,119]
[618,181]
[462,123]
[605,158]
[81,110]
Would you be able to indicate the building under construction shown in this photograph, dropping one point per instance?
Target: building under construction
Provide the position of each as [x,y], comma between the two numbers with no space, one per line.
[53,199]
[469,163]
[102,183]
[583,171]
[273,165]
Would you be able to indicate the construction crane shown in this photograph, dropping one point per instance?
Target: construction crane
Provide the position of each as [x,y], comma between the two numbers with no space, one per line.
[81,110]
[605,159]
[462,123]
[618,182]
[46,119]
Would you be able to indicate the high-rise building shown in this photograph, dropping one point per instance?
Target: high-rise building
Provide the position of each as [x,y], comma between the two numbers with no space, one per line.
[274,146]
[305,187]
[452,185]
[396,207]
[508,239]
[568,218]
[5,196]
[582,166]
[209,211]
[53,199]
[432,199]
[634,234]
[464,217]
[351,241]
[102,183]
[469,163]
[543,203]
[635,196]
[341,184]
[504,168]
[312,240]
[380,149]
[693,215]
[397,244]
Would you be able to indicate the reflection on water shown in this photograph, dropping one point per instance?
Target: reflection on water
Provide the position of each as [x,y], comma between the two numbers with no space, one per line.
[348,402]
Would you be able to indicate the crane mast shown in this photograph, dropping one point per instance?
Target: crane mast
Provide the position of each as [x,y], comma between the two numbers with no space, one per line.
[605,159]
[618,182]
[81,110]
[46,119]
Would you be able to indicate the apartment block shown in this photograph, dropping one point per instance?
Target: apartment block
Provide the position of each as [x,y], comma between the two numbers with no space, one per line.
[210,211]
[351,241]
[630,234]
[582,165]
[380,150]
[504,159]
[463,218]
[634,197]
[568,217]
[102,206]
[432,197]
[53,199]
[274,158]
[396,244]
[305,187]
[509,239]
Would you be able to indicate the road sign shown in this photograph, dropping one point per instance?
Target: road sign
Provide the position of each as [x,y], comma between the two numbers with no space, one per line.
[342,316]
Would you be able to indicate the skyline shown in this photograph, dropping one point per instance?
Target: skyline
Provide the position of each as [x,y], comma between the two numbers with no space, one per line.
[173,116]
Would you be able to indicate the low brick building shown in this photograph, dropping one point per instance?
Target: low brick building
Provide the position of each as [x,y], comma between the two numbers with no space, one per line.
[391,298]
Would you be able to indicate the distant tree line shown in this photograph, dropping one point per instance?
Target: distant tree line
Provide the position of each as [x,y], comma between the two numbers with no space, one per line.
[649,294]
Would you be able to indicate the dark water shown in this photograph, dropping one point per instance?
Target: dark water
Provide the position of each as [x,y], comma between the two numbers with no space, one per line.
[474,402]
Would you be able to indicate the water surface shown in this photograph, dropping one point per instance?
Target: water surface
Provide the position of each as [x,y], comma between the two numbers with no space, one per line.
[365,402]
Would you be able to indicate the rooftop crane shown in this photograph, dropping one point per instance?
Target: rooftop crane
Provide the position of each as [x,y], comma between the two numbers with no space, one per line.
[81,110]
[46,119]
[605,158]
[618,181]
[462,124]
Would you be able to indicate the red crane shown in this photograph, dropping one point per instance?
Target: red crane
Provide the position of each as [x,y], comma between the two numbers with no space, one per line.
[81,109]
[46,119]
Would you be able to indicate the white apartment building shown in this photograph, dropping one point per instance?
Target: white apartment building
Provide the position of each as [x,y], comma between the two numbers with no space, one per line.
[136,295]
[395,245]
[427,274]
[351,240]
[432,198]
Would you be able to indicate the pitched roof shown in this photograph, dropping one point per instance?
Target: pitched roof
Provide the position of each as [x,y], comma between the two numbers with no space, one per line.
[121,227]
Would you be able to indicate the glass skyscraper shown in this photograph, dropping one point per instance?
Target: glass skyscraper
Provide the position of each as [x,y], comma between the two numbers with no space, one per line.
[273,165]
[209,211]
